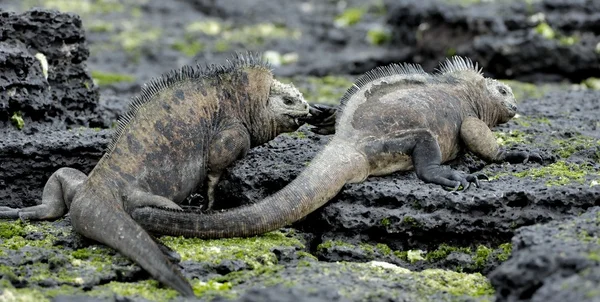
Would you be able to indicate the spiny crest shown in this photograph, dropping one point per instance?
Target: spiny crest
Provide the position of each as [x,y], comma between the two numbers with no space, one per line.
[394,69]
[457,63]
[156,85]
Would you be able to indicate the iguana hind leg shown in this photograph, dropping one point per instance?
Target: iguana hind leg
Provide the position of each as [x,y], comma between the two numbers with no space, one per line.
[427,160]
[56,198]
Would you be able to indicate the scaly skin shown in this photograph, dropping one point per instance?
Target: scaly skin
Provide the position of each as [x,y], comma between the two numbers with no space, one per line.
[394,118]
[180,134]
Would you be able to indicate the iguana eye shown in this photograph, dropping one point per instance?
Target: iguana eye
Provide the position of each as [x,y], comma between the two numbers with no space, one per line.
[288,100]
[502,90]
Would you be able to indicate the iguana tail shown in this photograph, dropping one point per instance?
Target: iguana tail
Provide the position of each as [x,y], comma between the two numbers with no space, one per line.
[100,219]
[333,167]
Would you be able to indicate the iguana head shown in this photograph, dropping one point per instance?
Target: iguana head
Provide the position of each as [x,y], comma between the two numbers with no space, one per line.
[502,99]
[287,106]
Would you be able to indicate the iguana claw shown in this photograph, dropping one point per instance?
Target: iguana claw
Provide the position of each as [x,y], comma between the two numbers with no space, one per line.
[322,117]
[518,157]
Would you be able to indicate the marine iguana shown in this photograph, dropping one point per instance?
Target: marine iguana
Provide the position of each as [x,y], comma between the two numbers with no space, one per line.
[393,118]
[183,129]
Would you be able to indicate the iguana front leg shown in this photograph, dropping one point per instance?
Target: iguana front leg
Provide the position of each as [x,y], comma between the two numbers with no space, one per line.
[480,140]
[56,198]
[226,147]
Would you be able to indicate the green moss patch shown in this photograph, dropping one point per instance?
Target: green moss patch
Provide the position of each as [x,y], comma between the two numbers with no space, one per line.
[443,251]
[107,78]
[511,138]
[523,90]
[254,251]
[378,36]
[322,90]
[17,120]
[349,17]
[80,7]
[592,83]
[559,173]
[544,30]
[9,229]
[427,282]
[188,47]
[567,146]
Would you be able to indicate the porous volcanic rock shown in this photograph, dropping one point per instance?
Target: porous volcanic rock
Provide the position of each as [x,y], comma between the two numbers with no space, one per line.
[548,39]
[65,95]
[556,261]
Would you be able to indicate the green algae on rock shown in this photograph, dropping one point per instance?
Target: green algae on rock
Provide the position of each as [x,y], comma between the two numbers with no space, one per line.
[254,251]
[108,78]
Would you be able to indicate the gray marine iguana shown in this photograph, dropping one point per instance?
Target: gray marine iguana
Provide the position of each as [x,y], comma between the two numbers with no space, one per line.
[393,118]
[183,129]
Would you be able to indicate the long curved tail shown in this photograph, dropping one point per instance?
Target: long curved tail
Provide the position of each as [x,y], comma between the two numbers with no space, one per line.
[97,218]
[333,167]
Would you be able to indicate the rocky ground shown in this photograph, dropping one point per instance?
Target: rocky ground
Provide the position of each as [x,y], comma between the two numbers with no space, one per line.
[529,234]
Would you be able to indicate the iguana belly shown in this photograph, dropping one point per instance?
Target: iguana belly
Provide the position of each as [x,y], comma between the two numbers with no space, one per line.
[389,163]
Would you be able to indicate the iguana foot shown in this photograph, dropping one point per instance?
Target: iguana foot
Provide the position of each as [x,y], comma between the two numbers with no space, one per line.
[450,178]
[9,213]
[58,193]
[518,157]
[38,212]
[322,117]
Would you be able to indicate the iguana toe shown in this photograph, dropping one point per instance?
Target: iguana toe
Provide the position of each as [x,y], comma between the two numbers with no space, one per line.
[323,119]
[456,180]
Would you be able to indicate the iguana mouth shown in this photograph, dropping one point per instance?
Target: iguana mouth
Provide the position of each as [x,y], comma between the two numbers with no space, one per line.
[299,118]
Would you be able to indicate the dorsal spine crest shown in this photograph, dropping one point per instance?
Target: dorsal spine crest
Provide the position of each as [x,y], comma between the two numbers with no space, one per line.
[377,73]
[457,63]
[173,77]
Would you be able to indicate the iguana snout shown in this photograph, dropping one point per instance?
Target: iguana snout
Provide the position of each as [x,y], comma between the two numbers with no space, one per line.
[287,105]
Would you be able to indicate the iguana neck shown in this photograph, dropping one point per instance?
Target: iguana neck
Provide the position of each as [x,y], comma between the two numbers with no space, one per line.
[477,104]
[262,127]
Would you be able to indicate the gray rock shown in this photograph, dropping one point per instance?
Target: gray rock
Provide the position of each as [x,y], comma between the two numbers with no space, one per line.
[68,96]
[557,261]
[501,35]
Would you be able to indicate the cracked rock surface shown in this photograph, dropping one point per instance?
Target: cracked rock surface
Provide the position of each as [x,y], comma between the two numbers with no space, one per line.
[531,229]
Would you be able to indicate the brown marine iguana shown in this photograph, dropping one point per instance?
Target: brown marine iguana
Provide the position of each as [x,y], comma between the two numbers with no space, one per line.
[394,118]
[183,129]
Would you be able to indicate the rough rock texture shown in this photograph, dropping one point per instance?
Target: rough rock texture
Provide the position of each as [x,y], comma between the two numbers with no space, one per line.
[557,261]
[550,39]
[46,259]
[67,96]
[396,219]
[28,160]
